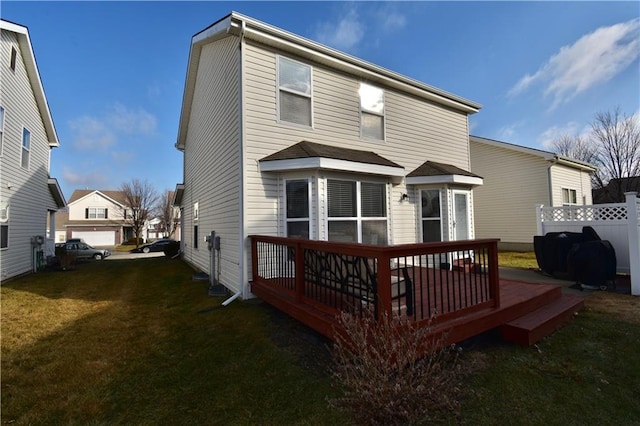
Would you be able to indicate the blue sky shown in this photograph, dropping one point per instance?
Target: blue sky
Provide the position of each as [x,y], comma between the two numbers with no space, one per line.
[114,72]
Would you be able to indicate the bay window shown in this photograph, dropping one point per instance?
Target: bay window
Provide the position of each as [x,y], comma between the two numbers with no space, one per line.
[297,206]
[431,216]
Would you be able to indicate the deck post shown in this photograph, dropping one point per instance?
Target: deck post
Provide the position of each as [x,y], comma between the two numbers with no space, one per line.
[254,258]
[299,280]
[494,273]
[384,285]
[634,241]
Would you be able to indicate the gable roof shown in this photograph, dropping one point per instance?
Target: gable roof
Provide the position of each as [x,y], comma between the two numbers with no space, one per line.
[547,155]
[311,155]
[22,34]
[242,26]
[433,172]
[115,196]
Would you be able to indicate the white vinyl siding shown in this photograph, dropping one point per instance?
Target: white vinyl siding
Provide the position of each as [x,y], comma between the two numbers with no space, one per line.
[1,127]
[212,162]
[564,177]
[415,131]
[25,191]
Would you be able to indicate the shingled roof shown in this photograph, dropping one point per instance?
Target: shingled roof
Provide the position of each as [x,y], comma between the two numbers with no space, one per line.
[117,196]
[431,168]
[306,149]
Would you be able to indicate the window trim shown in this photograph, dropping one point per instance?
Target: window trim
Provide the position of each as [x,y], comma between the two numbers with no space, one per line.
[3,113]
[287,220]
[279,88]
[439,218]
[569,192]
[364,110]
[26,148]
[359,219]
[95,213]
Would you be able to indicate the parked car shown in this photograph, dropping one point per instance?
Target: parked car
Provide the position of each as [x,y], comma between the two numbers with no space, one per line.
[158,245]
[70,240]
[81,250]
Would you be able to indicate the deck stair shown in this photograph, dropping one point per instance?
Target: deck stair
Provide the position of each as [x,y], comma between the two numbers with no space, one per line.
[533,326]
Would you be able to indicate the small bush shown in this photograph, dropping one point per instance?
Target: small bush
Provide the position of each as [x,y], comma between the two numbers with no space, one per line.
[386,378]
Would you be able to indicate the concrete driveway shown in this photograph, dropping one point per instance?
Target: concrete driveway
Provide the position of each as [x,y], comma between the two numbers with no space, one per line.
[115,255]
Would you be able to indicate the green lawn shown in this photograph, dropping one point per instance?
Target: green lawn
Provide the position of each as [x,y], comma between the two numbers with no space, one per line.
[515,259]
[139,342]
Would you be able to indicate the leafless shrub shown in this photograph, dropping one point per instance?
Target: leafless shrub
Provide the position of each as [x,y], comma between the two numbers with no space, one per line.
[392,372]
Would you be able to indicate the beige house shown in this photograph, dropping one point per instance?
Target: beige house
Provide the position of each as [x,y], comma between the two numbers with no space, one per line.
[98,217]
[516,180]
[284,136]
[29,196]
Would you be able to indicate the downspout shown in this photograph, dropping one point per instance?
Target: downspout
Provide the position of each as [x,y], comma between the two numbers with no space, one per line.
[552,163]
[242,258]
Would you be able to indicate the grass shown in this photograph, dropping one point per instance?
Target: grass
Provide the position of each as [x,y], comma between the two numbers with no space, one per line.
[515,259]
[139,342]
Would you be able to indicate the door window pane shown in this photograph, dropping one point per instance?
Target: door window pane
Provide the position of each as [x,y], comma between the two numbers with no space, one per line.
[462,216]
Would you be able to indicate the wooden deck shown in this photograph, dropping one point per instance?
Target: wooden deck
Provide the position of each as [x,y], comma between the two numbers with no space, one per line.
[457,303]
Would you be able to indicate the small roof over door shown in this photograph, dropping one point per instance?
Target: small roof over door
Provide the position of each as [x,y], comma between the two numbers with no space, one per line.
[431,172]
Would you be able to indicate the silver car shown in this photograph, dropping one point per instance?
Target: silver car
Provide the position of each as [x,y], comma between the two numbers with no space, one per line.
[82,250]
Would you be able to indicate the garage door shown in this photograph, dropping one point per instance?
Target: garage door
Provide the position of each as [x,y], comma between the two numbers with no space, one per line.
[96,238]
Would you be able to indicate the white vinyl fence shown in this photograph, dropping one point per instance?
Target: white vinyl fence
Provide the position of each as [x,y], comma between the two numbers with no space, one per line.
[617,223]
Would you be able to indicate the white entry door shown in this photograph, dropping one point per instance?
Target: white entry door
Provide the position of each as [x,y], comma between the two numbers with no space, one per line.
[461,215]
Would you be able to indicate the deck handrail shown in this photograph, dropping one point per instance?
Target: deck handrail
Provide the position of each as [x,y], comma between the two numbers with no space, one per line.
[284,270]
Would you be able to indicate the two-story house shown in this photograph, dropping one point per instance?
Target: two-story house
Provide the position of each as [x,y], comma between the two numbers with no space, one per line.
[517,179]
[284,136]
[29,196]
[98,217]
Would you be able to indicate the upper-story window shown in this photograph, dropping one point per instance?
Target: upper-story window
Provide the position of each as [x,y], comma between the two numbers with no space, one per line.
[371,111]
[26,148]
[569,197]
[294,87]
[96,213]
[1,127]
[14,55]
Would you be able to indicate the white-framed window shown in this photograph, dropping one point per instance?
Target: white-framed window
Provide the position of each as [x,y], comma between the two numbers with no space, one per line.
[357,211]
[1,128]
[4,225]
[96,213]
[371,112]
[298,206]
[294,92]
[196,210]
[26,148]
[431,215]
[569,197]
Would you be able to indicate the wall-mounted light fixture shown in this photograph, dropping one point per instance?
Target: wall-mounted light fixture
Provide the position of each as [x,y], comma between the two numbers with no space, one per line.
[404,197]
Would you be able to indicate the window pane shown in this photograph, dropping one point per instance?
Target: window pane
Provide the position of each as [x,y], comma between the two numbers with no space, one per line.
[372,197]
[342,198]
[295,76]
[298,229]
[26,139]
[431,203]
[372,126]
[374,232]
[297,199]
[371,99]
[343,230]
[431,231]
[4,236]
[295,108]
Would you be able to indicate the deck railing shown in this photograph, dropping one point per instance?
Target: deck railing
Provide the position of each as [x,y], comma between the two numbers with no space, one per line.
[416,281]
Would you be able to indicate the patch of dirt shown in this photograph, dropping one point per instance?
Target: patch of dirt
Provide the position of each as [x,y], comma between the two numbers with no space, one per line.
[622,306]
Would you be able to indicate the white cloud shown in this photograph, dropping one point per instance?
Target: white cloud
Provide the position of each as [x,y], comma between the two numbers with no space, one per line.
[553,133]
[85,180]
[594,59]
[344,34]
[509,133]
[390,20]
[90,133]
[132,121]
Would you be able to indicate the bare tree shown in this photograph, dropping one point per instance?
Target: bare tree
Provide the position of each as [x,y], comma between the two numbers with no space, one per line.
[613,145]
[617,137]
[140,199]
[166,213]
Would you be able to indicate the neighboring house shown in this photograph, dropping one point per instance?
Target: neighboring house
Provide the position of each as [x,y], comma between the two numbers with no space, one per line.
[614,190]
[96,216]
[517,179]
[29,196]
[284,136]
